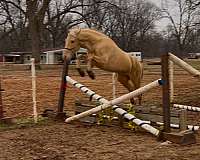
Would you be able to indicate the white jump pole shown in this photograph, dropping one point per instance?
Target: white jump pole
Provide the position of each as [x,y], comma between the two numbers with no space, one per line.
[184,65]
[113,103]
[114,85]
[189,108]
[35,114]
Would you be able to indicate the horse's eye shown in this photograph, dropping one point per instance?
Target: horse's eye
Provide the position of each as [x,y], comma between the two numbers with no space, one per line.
[72,41]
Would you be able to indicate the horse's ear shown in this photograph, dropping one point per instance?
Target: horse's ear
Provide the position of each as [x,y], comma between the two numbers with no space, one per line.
[78,30]
[75,27]
[74,32]
[68,30]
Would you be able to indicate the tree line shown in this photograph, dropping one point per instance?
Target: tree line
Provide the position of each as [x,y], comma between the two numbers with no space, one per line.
[33,25]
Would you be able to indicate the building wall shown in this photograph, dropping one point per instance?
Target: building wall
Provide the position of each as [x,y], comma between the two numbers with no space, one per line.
[1,58]
[27,58]
[47,57]
[54,56]
[43,58]
[50,58]
[138,55]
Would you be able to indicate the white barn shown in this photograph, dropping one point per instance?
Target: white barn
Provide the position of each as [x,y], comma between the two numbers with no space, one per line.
[138,55]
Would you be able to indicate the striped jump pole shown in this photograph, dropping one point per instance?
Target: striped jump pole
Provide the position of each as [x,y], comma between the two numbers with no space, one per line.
[175,126]
[190,127]
[106,104]
[189,108]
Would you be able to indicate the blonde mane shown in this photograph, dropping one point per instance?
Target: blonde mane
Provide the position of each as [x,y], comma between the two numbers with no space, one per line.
[76,31]
[94,32]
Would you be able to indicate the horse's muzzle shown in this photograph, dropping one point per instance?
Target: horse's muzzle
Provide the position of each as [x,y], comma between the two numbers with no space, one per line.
[68,54]
[69,49]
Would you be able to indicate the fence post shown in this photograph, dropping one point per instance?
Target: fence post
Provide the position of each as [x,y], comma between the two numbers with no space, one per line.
[35,115]
[1,102]
[171,80]
[166,93]
[63,86]
[184,137]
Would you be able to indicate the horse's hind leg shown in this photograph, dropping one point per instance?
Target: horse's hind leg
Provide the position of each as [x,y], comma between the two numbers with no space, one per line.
[126,82]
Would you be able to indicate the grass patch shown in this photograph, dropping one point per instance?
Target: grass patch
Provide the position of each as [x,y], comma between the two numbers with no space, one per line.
[195,64]
[23,123]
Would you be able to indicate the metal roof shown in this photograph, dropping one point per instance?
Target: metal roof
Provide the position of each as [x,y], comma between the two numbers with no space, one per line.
[10,55]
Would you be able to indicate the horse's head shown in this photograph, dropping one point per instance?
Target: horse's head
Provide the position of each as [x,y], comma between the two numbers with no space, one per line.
[72,44]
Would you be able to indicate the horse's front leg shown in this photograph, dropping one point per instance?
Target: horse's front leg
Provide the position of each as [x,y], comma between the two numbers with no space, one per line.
[78,66]
[89,66]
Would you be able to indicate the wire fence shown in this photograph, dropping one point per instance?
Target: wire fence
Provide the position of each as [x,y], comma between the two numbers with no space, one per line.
[17,97]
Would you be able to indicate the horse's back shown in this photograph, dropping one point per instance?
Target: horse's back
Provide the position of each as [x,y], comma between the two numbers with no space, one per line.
[110,57]
[107,55]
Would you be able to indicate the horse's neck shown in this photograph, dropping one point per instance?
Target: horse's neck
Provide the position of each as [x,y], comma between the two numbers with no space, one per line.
[88,39]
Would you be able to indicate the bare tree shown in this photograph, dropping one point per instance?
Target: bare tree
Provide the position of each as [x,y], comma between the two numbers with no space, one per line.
[58,24]
[182,23]
[95,16]
[131,22]
[36,10]
[12,25]
[194,3]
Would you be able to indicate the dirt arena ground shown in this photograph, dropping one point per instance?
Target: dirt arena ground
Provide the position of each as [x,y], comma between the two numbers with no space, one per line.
[77,141]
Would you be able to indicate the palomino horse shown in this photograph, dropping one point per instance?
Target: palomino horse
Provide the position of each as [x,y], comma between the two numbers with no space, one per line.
[105,54]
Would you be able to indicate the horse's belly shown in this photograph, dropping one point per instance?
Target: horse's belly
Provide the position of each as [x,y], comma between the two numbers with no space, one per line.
[113,67]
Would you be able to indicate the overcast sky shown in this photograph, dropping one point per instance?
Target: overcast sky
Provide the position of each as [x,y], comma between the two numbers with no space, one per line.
[164,22]
[156,1]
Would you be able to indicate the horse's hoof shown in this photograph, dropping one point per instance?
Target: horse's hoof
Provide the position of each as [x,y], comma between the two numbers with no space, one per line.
[81,72]
[132,101]
[91,74]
